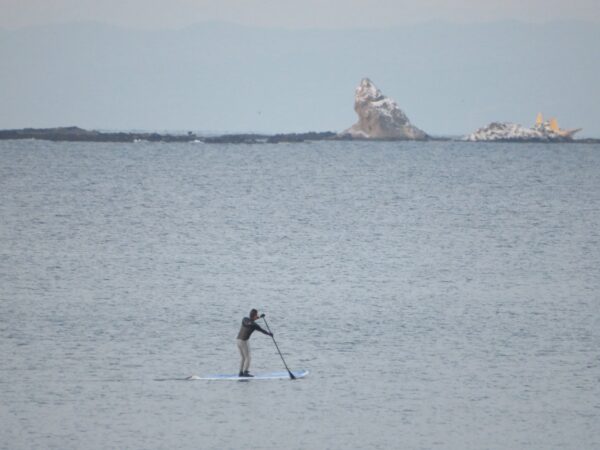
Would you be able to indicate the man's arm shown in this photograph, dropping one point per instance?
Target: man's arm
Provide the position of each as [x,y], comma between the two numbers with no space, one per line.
[257,327]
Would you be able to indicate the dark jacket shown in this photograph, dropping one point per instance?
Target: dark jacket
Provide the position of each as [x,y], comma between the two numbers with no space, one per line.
[248,327]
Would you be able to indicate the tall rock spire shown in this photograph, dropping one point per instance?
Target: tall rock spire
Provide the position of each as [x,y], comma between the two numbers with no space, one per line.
[379,117]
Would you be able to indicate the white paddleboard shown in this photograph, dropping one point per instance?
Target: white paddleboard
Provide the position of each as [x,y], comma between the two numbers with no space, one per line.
[258,376]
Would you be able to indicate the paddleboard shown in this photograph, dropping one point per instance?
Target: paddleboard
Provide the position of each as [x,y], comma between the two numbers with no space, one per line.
[259,376]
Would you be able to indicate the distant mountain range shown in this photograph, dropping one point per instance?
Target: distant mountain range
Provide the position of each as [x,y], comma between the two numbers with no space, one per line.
[450,79]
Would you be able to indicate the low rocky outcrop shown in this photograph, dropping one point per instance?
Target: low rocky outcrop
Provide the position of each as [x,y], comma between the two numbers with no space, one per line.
[505,131]
[76,134]
[301,137]
[542,131]
[379,117]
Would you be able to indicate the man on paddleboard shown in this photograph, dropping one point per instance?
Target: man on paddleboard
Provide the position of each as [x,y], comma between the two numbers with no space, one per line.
[248,327]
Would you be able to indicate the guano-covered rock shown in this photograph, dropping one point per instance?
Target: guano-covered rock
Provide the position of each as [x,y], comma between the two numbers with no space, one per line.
[379,117]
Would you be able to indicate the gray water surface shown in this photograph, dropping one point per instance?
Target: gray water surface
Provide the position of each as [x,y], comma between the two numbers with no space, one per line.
[442,295]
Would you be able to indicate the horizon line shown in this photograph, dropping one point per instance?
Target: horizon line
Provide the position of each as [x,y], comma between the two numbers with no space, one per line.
[408,24]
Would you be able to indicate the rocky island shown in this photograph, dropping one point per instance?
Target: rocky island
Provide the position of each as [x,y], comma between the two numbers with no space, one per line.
[76,134]
[379,117]
[542,131]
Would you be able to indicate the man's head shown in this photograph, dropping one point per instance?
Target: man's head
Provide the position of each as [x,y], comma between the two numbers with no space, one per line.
[253,315]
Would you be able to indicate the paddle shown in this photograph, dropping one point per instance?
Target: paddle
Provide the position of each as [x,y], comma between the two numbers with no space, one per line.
[262,316]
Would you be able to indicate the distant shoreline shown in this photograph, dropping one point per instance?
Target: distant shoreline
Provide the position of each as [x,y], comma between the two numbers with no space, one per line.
[76,134]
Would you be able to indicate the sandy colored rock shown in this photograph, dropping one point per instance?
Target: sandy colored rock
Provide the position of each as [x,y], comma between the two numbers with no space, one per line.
[379,117]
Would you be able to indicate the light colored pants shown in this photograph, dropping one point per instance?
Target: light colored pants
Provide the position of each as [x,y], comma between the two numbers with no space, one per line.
[244,347]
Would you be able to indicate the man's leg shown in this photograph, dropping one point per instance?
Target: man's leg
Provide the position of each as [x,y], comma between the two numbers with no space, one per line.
[247,359]
[243,348]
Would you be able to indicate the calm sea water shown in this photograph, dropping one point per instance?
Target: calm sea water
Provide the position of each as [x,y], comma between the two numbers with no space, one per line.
[442,295]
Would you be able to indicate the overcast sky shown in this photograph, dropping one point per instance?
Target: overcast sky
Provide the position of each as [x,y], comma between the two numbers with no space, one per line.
[153,14]
[152,73]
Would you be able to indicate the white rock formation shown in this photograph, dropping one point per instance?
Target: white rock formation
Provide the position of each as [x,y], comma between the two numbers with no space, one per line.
[542,132]
[379,117]
[504,131]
